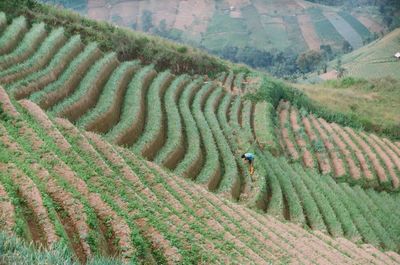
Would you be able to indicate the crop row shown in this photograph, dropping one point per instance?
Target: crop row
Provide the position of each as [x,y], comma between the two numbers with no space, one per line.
[344,153]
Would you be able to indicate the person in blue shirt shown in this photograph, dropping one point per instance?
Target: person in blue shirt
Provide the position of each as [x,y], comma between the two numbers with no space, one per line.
[249,158]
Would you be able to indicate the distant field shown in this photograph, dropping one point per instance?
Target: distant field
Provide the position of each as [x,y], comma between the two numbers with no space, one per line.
[269,25]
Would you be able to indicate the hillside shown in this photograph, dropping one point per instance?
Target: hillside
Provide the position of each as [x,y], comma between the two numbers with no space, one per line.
[164,182]
[263,34]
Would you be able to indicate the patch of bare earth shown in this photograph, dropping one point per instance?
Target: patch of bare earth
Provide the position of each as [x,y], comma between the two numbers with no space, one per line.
[337,162]
[353,168]
[6,104]
[323,162]
[33,198]
[283,118]
[308,160]
[360,155]
[370,23]
[308,32]
[7,212]
[372,156]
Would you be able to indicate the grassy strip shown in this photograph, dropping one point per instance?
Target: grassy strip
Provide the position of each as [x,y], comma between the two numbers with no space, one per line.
[88,81]
[238,83]
[193,153]
[175,138]
[56,87]
[366,231]
[211,172]
[110,94]
[3,21]
[56,38]
[293,200]
[273,188]
[132,106]
[61,58]
[334,227]
[12,34]
[229,81]
[312,213]
[152,135]
[31,41]
[338,205]
[357,25]
[264,127]
[230,180]
[385,238]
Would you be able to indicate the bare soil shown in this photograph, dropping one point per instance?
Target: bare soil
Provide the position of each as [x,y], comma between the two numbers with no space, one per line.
[308,32]
[6,104]
[283,118]
[308,160]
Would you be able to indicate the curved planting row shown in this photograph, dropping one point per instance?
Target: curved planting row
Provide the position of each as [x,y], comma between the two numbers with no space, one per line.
[12,34]
[303,197]
[345,153]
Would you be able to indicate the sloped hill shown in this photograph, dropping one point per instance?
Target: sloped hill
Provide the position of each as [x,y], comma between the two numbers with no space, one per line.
[124,193]
[375,59]
[291,24]
[62,185]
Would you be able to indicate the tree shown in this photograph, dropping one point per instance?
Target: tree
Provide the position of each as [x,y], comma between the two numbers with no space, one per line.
[309,61]
[147,20]
[346,47]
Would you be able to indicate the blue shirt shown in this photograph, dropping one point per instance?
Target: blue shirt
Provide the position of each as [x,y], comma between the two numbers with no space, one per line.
[249,156]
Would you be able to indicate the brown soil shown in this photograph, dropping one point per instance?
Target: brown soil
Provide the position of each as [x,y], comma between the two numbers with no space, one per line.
[130,134]
[337,162]
[12,43]
[151,148]
[360,156]
[7,212]
[371,24]
[39,115]
[393,146]
[308,160]
[25,91]
[73,81]
[91,96]
[384,158]
[26,54]
[75,220]
[308,32]
[386,148]
[353,168]
[283,118]
[372,156]
[324,165]
[27,189]
[6,104]
[39,64]
[104,122]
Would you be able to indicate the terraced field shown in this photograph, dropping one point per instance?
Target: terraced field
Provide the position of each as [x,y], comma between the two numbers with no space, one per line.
[344,153]
[116,159]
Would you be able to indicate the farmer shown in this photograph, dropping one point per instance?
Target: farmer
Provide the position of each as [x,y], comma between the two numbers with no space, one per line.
[249,157]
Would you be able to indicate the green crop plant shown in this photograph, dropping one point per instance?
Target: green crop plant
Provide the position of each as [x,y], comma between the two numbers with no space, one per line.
[154,118]
[275,204]
[110,93]
[3,21]
[295,208]
[133,100]
[192,134]
[65,54]
[12,33]
[30,41]
[229,80]
[211,165]
[85,84]
[174,125]
[264,127]
[58,85]
[332,224]
[55,38]
[230,179]
[310,207]
[355,24]
[239,81]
